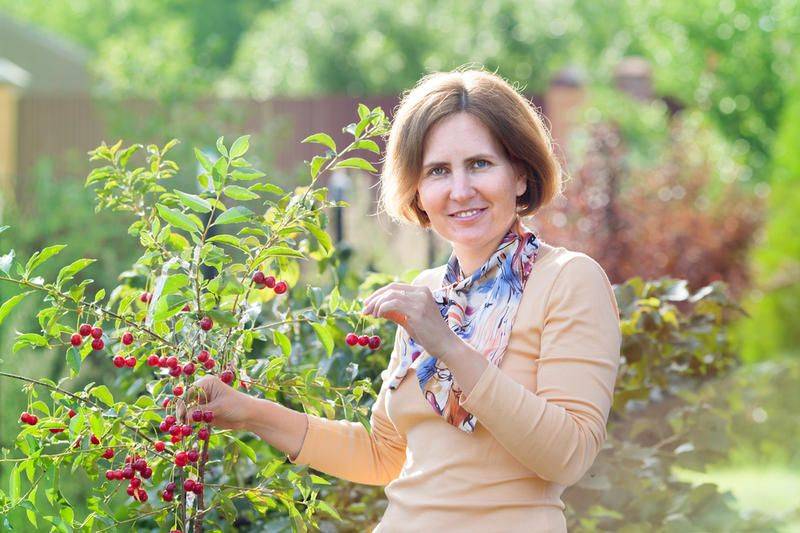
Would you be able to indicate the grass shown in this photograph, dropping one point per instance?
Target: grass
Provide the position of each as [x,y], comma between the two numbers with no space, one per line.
[773,490]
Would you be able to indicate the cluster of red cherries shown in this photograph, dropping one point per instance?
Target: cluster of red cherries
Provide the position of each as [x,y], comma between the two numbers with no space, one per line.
[96,333]
[261,280]
[133,465]
[373,342]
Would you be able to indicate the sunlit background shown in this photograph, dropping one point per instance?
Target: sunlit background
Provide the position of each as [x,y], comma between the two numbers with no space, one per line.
[679,124]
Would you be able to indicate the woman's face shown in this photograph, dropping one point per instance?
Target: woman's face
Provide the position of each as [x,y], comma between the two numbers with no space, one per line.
[464,169]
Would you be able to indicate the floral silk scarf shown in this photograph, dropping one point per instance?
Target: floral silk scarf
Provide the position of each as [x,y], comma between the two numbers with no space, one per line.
[480,309]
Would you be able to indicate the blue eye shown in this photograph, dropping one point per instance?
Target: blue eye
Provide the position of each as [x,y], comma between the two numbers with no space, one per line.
[482,161]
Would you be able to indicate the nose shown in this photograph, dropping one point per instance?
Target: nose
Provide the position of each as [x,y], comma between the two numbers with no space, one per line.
[461,188]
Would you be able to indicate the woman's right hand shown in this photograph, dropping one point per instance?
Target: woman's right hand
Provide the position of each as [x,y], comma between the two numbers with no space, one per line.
[231,408]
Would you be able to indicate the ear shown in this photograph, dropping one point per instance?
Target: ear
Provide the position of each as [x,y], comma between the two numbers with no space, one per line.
[521,185]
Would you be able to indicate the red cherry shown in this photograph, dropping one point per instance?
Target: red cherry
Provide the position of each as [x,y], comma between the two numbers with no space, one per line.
[139,464]
[193,455]
[175,439]
[170,487]
[163,426]
[188,369]
[109,475]
[188,485]
[145,297]
[71,413]
[119,361]
[147,472]
[259,278]
[177,390]
[206,323]
[203,356]
[97,332]
[109,453]
[162,361]
[142,495]
[181,459]
[136,483]
[33,420]
[128,472]
[76,339]
[374,342]
[186,308]
[127,339]
[170,420]
[130,362]
[118,475]
[165,403]
[269,281]
[226,377]
[131,491]
[363,340]
[172,361]
[198,488]
[281,287]
[25,417]
[152,360]
[209,364]
[186,430]
[351,339]
[98,344]
[56,430]
[160,446]
[94,440]
[208,416]
[203,434]
[175,372]
[85,330]
[166,496]
[197,416]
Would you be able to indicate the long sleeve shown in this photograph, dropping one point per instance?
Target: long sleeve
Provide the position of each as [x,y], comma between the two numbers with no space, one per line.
[557,431]
[347,450]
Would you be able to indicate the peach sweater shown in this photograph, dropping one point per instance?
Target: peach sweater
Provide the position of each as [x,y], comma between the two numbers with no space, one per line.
[541,416]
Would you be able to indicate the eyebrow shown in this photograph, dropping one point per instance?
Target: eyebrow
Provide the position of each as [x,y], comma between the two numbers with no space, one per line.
[471,158]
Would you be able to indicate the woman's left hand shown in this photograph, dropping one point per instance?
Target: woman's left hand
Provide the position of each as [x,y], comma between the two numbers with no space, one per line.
[413,308]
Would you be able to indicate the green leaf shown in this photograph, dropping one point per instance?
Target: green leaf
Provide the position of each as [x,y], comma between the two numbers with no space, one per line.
[74,361]
[193,202]
[356,162]
[321,138]
[321,235]
[324,335]
[234,215]
[204,161]
[334,299]
[69,271]
[6,260]
[239,193]
[224,238]
[246,174]
[240,146]
[177,218]
[367,144]
[40,257]
[28,339]
[102,393]
[322,504]
[221,146]
[279,251]
[9,304]
[283,342]
[247,450]
[174,283]
[268,187]
[319,480]
[316,165]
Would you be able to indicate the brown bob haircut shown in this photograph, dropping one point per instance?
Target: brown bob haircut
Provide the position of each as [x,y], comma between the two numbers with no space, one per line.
[513,121]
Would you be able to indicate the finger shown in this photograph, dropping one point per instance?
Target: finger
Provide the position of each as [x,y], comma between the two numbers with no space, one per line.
[180,410]
[393,309]
[371,298]
[390,294]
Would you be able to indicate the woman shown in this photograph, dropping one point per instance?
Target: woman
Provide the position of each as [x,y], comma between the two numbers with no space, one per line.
[501,378]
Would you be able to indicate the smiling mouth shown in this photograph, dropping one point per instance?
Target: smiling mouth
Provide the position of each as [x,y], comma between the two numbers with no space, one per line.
[467,214]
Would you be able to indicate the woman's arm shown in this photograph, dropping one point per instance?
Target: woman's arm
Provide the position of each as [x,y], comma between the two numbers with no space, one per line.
[283,428]
[557,431]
